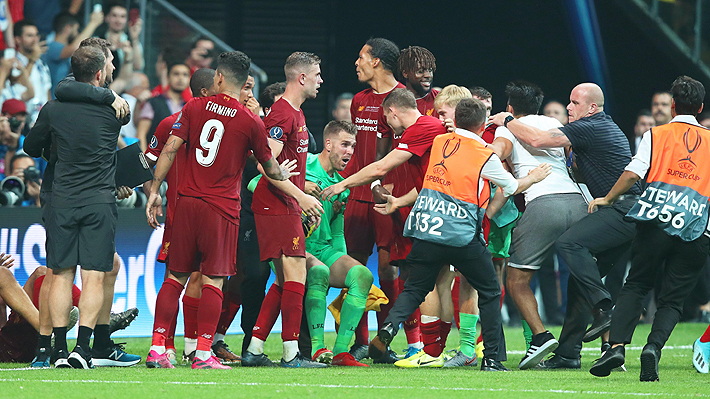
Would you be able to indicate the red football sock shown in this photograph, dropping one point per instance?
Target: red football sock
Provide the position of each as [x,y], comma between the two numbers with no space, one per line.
[432,338]
[455,290]
[291,310]
[390,288]
[190,305]
[208,316]
[270,309]
[230,307]
[479,339]
[502,295]
[706,335]
[170,339]
[444,330]
[75,295]
[166,307]
[411,328]
[362,334]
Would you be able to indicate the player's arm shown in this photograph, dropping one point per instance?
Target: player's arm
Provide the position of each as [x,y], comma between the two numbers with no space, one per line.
[154,207]
[369,173]
[311,205]
[496,203]
[530,135]
[337,232]
[393,203]
[69,90]
[502,147]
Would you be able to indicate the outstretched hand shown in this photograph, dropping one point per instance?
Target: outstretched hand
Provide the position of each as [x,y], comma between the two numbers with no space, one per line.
[541,172]
[154,208]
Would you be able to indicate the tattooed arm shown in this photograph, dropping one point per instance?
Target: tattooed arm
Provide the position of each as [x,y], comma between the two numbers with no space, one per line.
[167,156]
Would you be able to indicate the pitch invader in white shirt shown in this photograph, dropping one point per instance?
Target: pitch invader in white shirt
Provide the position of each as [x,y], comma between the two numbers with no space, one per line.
[551,208]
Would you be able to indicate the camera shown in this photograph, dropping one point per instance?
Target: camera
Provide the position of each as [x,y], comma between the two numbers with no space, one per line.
[12,191]
[14,124]
[32,174]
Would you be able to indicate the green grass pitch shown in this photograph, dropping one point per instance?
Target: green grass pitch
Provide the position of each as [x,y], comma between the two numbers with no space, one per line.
[677,375]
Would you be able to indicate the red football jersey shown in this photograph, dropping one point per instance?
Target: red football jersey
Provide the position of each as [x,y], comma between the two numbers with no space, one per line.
[418,140]
[490,133]
[425,105]
[287,125]
[219,133]
[367,115]
[162,133]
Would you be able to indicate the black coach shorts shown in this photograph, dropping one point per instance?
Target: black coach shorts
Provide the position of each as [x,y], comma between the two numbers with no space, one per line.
[83,236]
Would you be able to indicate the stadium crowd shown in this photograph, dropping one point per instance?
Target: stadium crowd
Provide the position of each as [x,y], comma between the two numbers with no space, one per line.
[467,211]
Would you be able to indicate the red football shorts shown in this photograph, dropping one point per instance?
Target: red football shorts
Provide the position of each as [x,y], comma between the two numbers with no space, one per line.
[202,230]
[364,228]
[280,235]
[167,233]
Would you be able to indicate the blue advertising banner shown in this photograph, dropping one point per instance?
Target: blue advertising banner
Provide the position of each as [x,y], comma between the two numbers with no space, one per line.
[22,235]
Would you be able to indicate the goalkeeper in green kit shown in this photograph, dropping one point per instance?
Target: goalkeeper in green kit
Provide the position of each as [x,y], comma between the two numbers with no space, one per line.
[326,255]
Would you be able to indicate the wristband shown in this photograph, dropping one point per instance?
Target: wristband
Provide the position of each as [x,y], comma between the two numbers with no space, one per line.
[507,120]
[375,183]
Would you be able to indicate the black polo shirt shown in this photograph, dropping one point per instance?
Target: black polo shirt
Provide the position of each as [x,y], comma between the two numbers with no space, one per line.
[601,151]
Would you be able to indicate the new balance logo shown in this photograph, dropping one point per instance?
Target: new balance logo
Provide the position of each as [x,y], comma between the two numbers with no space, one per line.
[206,336]
[160,330]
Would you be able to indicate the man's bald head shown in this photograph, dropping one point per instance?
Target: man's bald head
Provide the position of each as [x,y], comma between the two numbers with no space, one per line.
[585,100]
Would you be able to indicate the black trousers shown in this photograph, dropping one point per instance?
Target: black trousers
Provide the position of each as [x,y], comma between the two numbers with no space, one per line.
[684,261]
[256,274]
[474,261]
[603,235]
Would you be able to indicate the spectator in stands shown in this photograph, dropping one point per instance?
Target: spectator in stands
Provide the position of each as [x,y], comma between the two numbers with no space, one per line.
[556,110]
[137,92]
[644,122]
[168,56]
[341,107]
[160,107]
[661,107]
[127,49]
[17,166]
[6,25]
[29,51]
[66,40]
[201,54]
[12,121]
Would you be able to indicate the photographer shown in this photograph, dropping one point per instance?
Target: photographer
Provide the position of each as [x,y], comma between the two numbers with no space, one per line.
[12,121]
[23,167]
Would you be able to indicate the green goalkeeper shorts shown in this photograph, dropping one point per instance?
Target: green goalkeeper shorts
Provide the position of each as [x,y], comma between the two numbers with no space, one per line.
[499,240]
[324,253]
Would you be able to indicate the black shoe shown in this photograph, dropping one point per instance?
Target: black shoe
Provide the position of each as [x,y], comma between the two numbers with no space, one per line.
[649,363]
[557,362]
[600,325]
[80,358]
[380,344]
[489,364]
[611,359]
[540,346]
[359,351]
[59,359]
[119,321]
[388,358]
[251,360]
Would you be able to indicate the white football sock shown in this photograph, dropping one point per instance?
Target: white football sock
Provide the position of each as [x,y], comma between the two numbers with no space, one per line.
[290,350]
[256,346]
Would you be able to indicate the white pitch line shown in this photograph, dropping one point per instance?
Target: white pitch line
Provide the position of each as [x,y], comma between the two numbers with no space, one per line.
[419,388]
[628,348]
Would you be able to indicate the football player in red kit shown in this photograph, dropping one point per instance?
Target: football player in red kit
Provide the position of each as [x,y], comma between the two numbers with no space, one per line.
[376,64]
[277,210]
[220,133]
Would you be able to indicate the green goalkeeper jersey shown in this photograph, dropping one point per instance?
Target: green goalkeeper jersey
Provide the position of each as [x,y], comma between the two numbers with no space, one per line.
[330,231]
